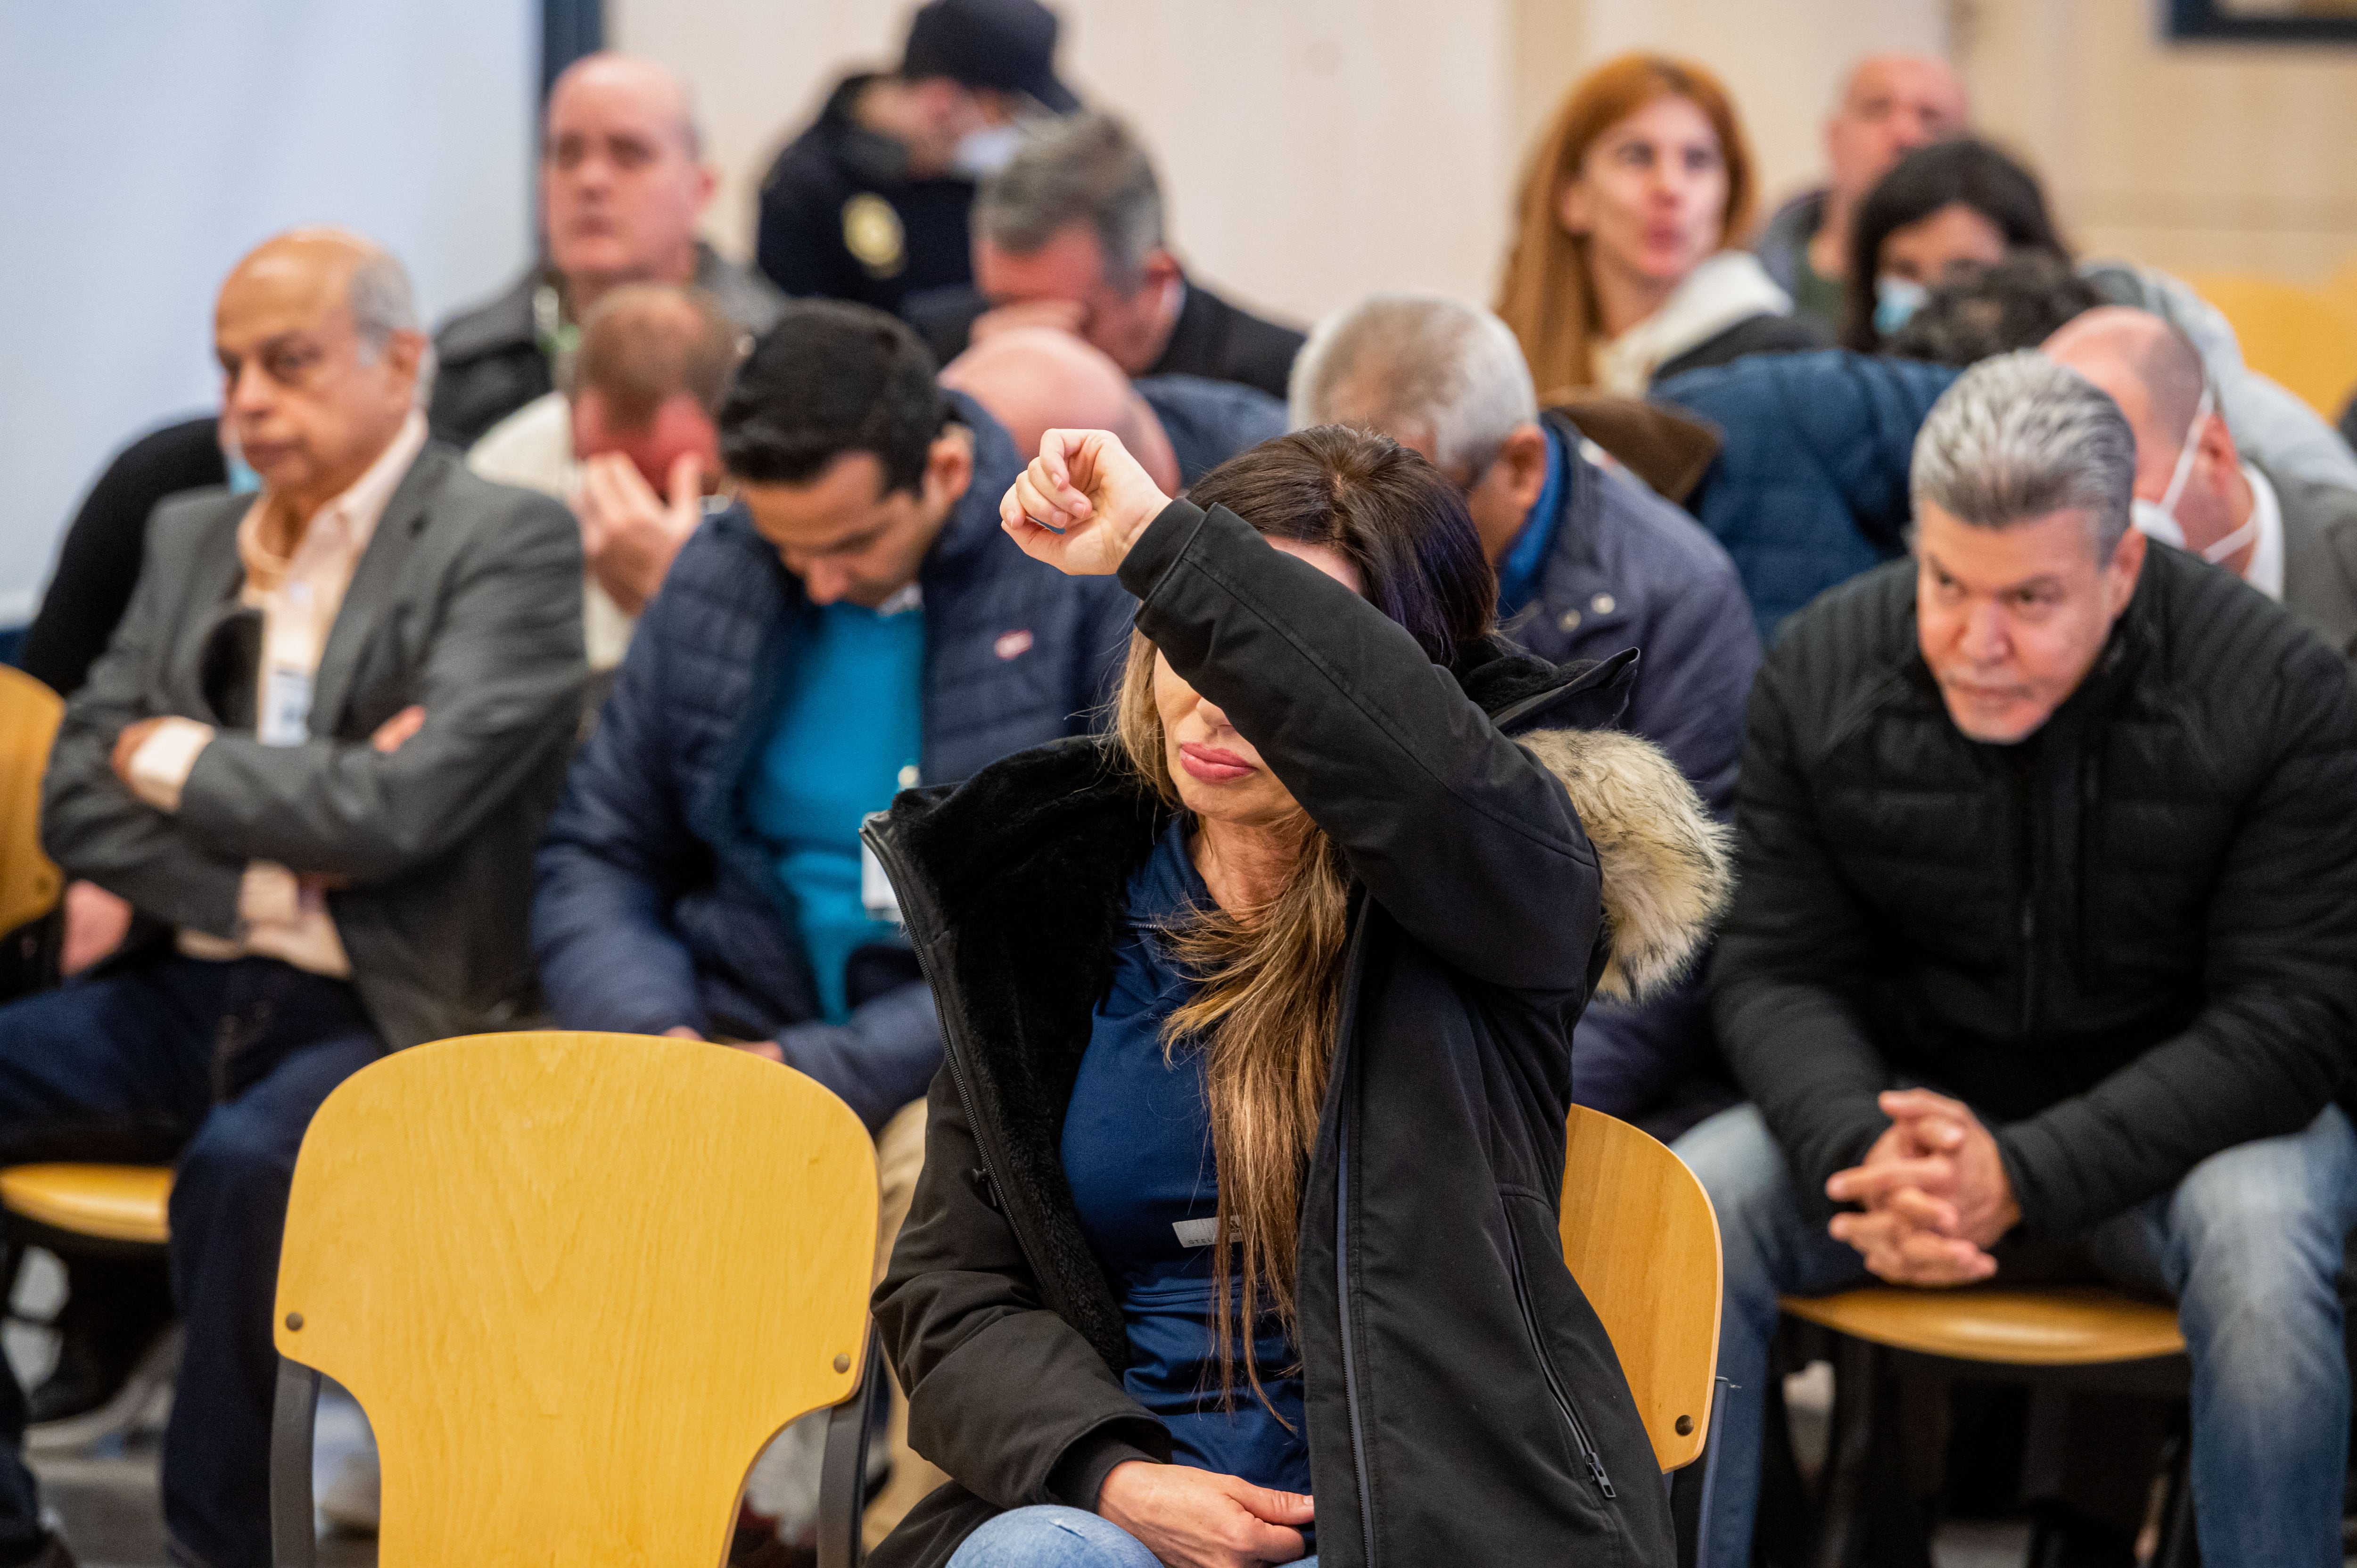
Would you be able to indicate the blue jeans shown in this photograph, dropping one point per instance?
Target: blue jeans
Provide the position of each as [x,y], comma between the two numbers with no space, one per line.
[2250,1246]
[223,1064]
[1044,1536]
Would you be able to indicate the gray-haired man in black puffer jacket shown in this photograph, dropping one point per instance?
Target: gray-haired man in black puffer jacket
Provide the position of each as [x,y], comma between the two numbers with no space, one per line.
[2055,823]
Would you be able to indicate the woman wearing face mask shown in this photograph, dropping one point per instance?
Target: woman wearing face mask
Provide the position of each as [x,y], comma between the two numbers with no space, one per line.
[1266,999]
[1952,202]
[1620,275]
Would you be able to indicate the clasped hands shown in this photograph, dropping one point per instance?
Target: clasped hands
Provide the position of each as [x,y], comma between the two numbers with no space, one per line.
[1935,1191]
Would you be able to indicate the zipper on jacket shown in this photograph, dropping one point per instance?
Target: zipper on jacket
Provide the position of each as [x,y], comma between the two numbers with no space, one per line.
[1344,1059]
[1589,1452]
[1342,1299]
[2024,791]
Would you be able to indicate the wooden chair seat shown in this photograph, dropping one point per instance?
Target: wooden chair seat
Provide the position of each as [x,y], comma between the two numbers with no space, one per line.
[110,1203]
[2069,1326]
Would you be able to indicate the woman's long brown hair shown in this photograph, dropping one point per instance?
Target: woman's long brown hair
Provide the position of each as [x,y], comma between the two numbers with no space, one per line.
[1268,982]
[1548,296]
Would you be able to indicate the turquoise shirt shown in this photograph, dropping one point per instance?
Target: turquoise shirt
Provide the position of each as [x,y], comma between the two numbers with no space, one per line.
[846,741]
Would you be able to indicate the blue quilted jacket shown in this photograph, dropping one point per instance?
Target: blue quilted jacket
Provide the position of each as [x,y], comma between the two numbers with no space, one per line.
[1810,488]
[655,903]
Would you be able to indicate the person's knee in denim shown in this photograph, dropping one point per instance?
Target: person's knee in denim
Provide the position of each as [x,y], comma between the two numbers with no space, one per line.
[1048,1536]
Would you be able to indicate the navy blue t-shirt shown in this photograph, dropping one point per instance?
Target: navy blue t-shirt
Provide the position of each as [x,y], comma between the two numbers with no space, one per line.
[1137,1152]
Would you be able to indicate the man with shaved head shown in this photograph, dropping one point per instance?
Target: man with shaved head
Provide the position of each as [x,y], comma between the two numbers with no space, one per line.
[1890,106]
[2293,538]
[312,761]
[623,184]
[1038,379]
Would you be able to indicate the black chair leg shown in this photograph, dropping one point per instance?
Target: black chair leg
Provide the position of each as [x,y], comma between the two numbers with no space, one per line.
[293,1534]
[842,1475]
[2180,1546]
[1869,1519]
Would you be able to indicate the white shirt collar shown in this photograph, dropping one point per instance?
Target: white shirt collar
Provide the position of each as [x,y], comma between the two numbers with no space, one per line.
[2265,571]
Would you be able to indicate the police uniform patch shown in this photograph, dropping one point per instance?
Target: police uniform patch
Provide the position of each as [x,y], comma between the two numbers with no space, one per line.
[871,232]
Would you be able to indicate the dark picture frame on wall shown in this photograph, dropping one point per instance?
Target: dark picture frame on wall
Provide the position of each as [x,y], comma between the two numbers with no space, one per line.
[2265,21]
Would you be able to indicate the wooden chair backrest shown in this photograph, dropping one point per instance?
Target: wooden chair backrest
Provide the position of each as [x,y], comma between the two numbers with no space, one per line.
[1640,1237]
[2304,338]
[577,1282]
[29,713]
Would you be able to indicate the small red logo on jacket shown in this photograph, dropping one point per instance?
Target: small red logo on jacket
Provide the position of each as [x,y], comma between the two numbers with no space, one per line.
[1012,644]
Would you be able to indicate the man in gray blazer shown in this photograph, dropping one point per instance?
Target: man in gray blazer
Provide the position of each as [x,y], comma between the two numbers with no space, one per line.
[2293,538]
[314,761]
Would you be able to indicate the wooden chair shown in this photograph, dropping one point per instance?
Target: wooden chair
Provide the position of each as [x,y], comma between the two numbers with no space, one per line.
[2304,338]
[1640,1237]
[29,715]
[577,1282]
[68,1208]
[2081,1336]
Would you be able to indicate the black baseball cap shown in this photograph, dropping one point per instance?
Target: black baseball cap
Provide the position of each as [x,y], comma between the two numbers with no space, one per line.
[1006,45]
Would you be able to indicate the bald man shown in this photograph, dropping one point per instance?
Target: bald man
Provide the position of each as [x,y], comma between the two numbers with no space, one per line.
[1890,106]
[1038,379]
[623,185]
[312,760]
[2293,538]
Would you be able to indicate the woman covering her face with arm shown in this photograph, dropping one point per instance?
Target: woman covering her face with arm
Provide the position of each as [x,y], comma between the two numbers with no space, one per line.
[1241,1172]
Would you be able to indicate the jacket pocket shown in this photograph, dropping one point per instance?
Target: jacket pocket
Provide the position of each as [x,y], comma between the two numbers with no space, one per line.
[1582,1438]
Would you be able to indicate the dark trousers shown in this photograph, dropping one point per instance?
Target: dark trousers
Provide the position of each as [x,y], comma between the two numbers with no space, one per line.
[223,1064]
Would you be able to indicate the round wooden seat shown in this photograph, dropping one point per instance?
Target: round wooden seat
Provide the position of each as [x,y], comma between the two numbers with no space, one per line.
[2063,1325]
[112,1203]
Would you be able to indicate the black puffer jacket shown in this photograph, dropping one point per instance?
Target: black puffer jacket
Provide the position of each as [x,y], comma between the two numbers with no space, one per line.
[2129,941]
[1463,1403]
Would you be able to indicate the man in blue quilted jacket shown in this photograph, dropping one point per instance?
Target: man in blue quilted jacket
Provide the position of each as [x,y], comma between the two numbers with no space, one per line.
[853,626]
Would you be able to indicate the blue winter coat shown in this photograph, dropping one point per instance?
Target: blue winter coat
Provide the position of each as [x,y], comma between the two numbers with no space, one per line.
[657,905]
[1810,487]
[1630,570]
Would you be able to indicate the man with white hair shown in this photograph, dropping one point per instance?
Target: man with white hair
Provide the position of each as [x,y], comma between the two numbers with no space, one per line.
[1891,104]
[2044,945]
[623,184]
[313,761]
[1590,562]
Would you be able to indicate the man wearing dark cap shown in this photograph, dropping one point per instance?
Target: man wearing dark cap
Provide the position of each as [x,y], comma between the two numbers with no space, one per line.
[871,203]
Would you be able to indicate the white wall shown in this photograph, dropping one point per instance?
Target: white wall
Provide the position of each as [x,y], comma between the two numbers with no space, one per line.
[151,142]
[1311,150]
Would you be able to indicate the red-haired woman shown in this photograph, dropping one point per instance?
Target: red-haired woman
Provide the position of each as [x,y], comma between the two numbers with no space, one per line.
[1621,273]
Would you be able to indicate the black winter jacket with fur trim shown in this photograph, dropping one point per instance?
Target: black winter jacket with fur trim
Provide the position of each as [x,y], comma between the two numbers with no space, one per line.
[1464,1404]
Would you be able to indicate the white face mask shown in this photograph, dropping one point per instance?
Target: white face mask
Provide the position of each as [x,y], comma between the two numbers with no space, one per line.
[986,151]
[2157,519]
